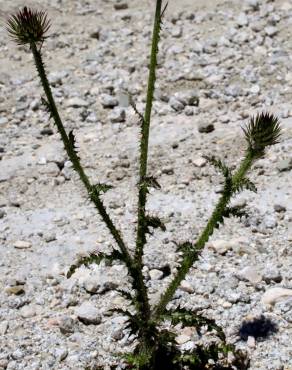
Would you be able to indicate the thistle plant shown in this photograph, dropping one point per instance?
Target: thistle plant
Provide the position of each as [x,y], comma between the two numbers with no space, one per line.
[156,346]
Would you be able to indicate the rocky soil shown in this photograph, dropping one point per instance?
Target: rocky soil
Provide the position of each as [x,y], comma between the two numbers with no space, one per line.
[234,58]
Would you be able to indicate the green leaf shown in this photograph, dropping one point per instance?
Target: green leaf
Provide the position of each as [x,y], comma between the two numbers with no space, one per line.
[243,184]
[221,166]
[100,188]
[191,318]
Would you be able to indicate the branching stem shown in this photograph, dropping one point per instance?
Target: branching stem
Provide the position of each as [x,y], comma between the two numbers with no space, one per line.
[189,259]
[141,229]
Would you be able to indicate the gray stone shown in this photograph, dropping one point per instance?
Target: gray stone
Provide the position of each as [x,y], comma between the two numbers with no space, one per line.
[77,103]
[271,31]
[121,5]
[117,115]
[88,314]
[277,207]
[242,20]
[108,101]
[66,325]
[176,104]
[205,127]
[123,99]
[276,294]
[3,120]
[155,274]
[22,244]
[285,165]
[188,97]
[250,273]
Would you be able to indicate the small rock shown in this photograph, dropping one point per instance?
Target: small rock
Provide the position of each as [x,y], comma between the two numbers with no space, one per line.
[117,115]
[254,4]
[277,207]
[77,103]
[2,213]
[176,31]
[285,165]
[205,127]
[181,339]
[270,222]
[176,104]
[46,131]
[4,327]
[28,311]
[88,314]
[3,120]
[66,325]
[255,89]
[155,274]
[95,34]
[187,287]
[123,99]
[249,273]
[22,244]
[242,20]
[108,101]
[271,275]
[16,290]
[199,161]
[271,31]
[121,5]
[61,354]
[251,342]
[274,295]
[17,354]
[188,97]
[220,246]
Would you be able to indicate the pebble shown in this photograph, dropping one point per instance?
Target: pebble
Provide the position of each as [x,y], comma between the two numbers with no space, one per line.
[155,274]
[220,246]
[88,314]
[117,115]
[271,31]
[199,162]
[250,273]
[276,294]
[206,127]
[77,103]
[187,287]
[16,290]
[285,165]
[121,5]
[108,101]
[22,244]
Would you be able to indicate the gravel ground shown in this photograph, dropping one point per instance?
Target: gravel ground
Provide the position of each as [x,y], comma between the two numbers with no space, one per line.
[235,58]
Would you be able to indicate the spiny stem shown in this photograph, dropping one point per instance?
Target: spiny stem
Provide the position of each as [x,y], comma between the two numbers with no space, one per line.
[189,259]
[141,229]
[73,156]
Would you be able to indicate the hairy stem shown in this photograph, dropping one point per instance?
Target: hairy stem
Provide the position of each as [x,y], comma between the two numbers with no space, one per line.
[141,229]
[189,259]
[73,156]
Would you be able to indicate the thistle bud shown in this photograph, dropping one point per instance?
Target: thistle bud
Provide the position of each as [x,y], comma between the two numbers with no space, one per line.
[262,131]
[28,26]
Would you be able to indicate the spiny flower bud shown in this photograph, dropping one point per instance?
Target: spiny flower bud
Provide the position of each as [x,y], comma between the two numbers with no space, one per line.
[28,26]
[262,131]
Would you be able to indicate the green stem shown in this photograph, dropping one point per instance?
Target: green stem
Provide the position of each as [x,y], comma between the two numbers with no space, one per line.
[73,156]
[141,238]
[189,259]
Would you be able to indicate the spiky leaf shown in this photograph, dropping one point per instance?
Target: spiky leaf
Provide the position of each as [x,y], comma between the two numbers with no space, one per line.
[243,184]
[72,140]
[221,166]
[191,318]
[96,259]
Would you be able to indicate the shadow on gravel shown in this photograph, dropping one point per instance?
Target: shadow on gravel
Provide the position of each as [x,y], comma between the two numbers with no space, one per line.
[259,328]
